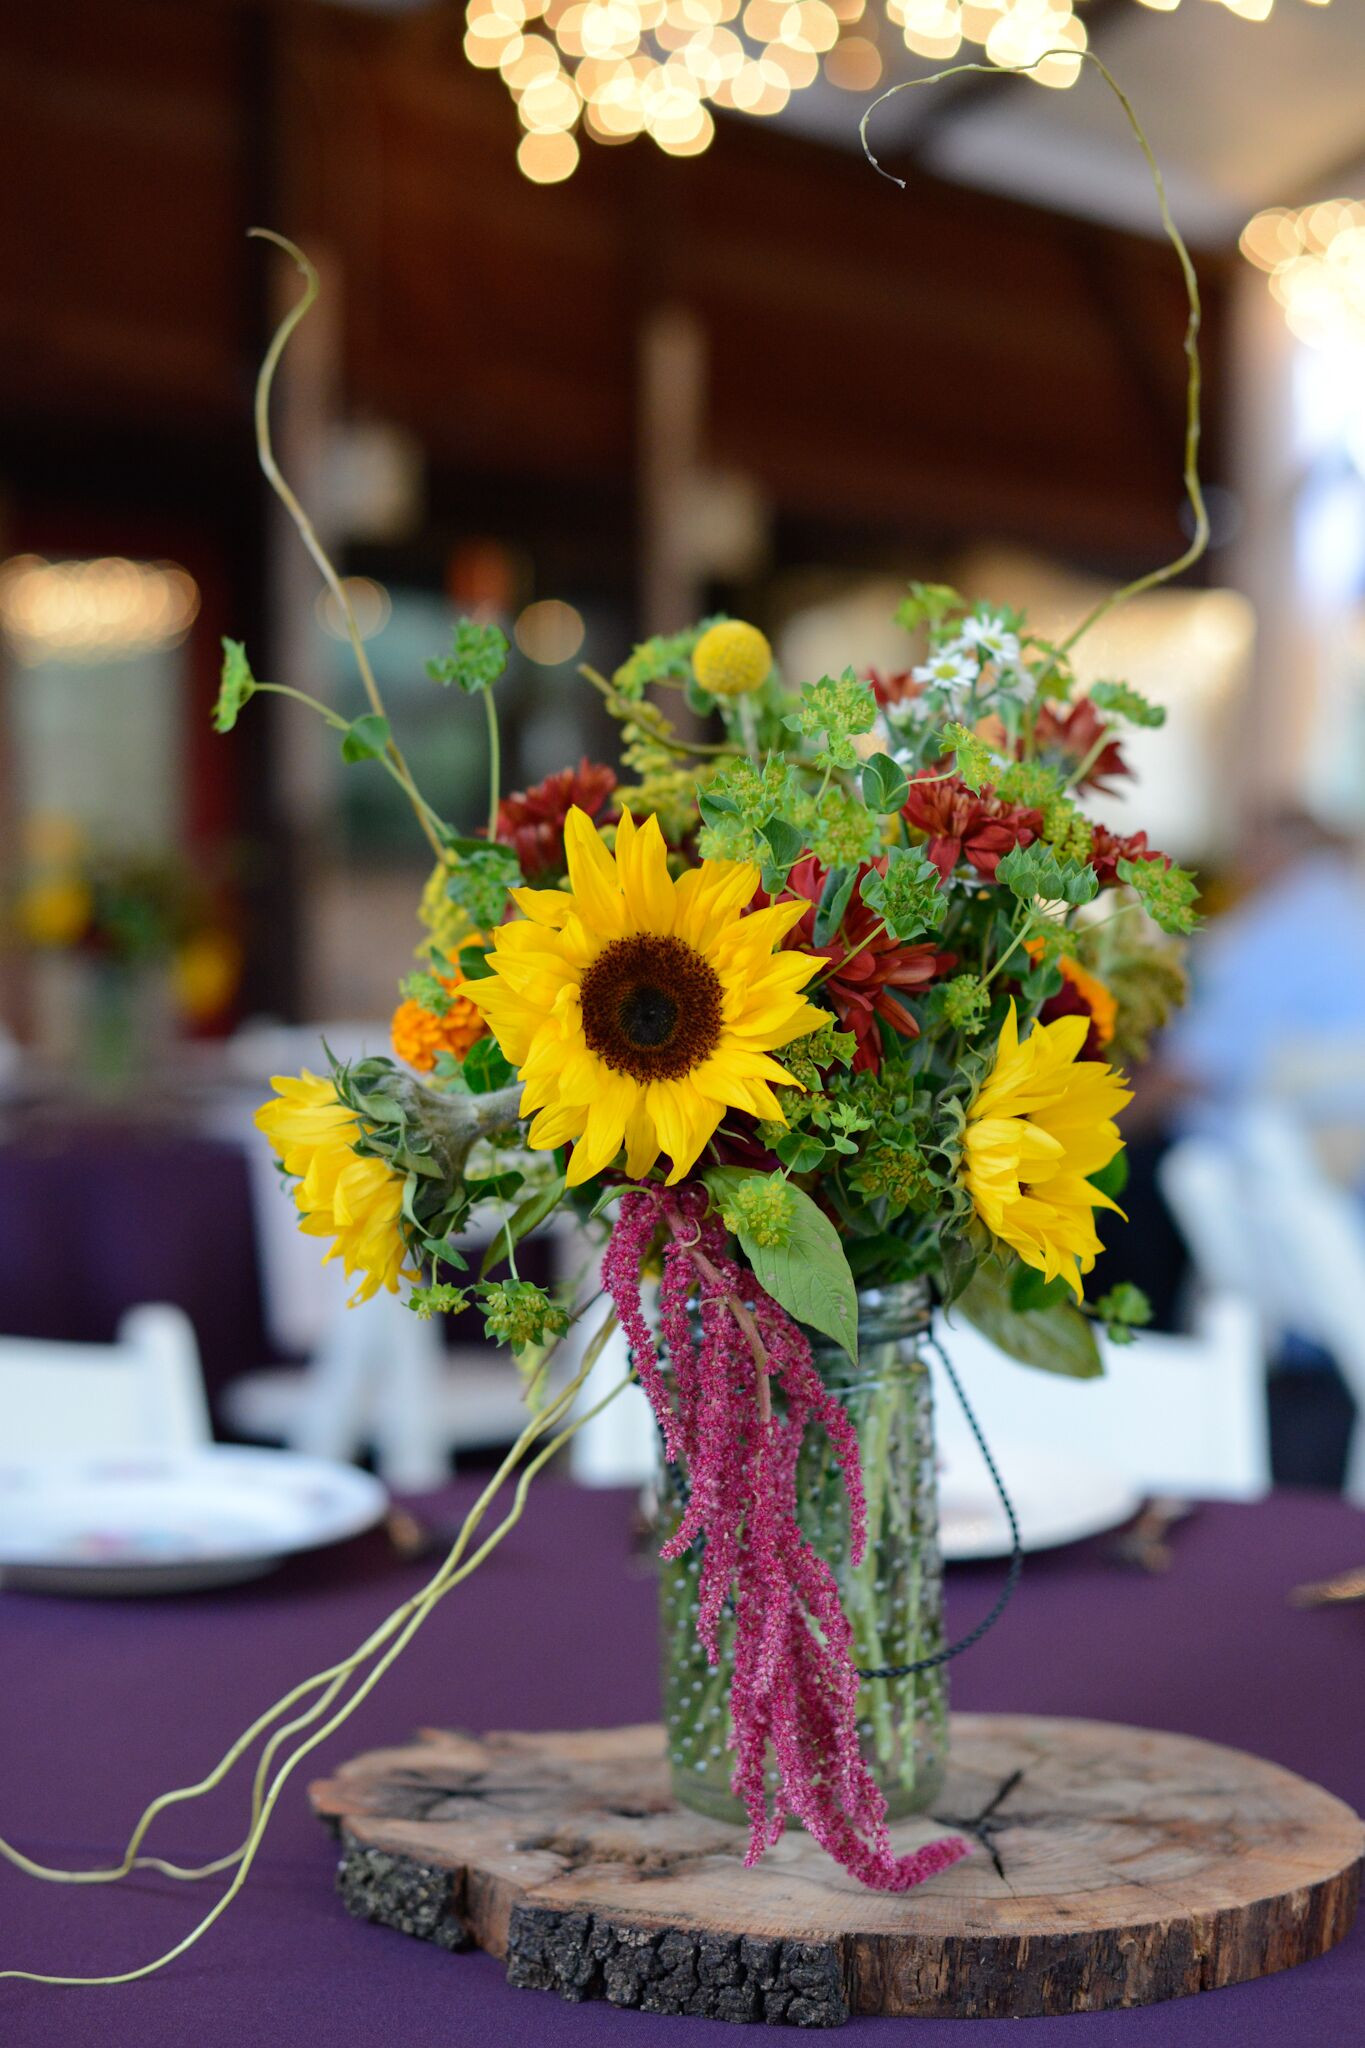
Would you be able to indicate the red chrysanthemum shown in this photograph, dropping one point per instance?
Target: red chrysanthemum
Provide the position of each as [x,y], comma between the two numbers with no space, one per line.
[959,825]
[893,689]
[864,972]
[1066,735]
[1108,848]
[531,821]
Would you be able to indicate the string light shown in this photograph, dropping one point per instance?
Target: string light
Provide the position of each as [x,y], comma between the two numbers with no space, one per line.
[615,69]
[1315,260]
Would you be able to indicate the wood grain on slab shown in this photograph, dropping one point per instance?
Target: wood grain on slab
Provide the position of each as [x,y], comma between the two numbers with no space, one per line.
[1112,1866]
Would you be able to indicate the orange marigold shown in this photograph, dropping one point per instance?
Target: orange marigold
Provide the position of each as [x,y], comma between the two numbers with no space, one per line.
[1081,994]
[419,1034]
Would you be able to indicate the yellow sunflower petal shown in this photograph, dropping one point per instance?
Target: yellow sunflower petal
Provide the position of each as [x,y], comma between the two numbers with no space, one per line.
[592,876]
[642,864]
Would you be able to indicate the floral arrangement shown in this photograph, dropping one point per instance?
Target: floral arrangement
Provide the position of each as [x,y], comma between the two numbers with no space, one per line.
[124,912]
[838,996]
[834,998]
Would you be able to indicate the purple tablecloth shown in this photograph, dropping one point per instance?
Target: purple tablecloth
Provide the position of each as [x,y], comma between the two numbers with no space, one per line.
[92,1222]
[103,1705]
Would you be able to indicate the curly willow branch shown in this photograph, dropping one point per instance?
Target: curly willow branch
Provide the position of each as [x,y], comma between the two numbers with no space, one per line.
[1193,489]
[265,452]
[406,1620]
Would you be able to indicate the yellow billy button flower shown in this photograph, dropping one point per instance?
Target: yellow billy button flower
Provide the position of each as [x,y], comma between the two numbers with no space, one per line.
[1042,1123]
[731,658]
[356,1202]
[637,1009]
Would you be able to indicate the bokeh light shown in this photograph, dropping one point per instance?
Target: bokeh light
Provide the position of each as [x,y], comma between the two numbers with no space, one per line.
[92,611]
[615,69]
[1314,258]
[549,631]
[370,603]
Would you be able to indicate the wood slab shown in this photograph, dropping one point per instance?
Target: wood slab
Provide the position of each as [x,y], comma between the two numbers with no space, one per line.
[1112,1866]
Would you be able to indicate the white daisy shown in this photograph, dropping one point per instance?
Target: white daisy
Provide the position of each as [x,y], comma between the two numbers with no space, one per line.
[953,668]
[992,637]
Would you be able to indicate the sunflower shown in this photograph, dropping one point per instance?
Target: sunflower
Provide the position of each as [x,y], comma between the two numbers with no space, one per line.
[340,1195]
[637,1009]
[1040,1126]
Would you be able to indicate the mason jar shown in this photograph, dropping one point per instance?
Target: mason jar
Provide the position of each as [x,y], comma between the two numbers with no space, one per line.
[893,1599]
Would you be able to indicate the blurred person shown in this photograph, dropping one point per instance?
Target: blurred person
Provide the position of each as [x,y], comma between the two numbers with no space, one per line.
[1278,979]
[1277,1014]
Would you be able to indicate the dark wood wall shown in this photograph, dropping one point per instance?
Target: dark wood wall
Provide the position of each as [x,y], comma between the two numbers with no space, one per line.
[929,361]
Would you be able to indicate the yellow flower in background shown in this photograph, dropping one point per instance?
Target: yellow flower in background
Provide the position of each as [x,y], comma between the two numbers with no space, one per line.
[205,972]
[449,927]
[355,1201]
[637,1009]
[54,911]
[1042,1123]
[731,658]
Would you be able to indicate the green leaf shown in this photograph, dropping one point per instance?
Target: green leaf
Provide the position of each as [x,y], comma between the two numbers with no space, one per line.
[480,879]
[885,785]
[714,805]
[1030,1290]
[478,656]
[1035,872]
[365,738]
[1112,1179]
[786,843]
[443,1251]
[927,604]
[959,1257]
[484,1068]
[521,1222]
[808,1276]
[665,658]
[909,896]
[1126,702]
[1054,1339]
[973,759]
[834,901]
[800,1152]
[440,1299]
[839,708]
[236,686]
[1168,893]
[474,963]
[1124,1308]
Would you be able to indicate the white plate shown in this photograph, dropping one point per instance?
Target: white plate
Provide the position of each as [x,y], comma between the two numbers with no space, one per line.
[1055,1500]
[172,1521]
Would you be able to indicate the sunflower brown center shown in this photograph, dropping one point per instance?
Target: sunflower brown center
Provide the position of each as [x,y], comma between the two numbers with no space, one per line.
[651,1007]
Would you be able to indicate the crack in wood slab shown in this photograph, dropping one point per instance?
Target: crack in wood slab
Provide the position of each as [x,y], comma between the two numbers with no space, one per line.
[1115,1866]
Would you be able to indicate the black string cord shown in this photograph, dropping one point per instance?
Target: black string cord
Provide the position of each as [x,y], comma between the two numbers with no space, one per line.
[683,1489]
[1016,1562]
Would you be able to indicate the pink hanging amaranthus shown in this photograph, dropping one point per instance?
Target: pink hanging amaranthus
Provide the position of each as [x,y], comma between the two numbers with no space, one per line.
[794,1686]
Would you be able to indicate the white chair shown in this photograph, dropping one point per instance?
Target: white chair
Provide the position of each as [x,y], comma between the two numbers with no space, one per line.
[1178,1415]
[1285,1234]
[619,1447]
[1175,1415]
[142,1392]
